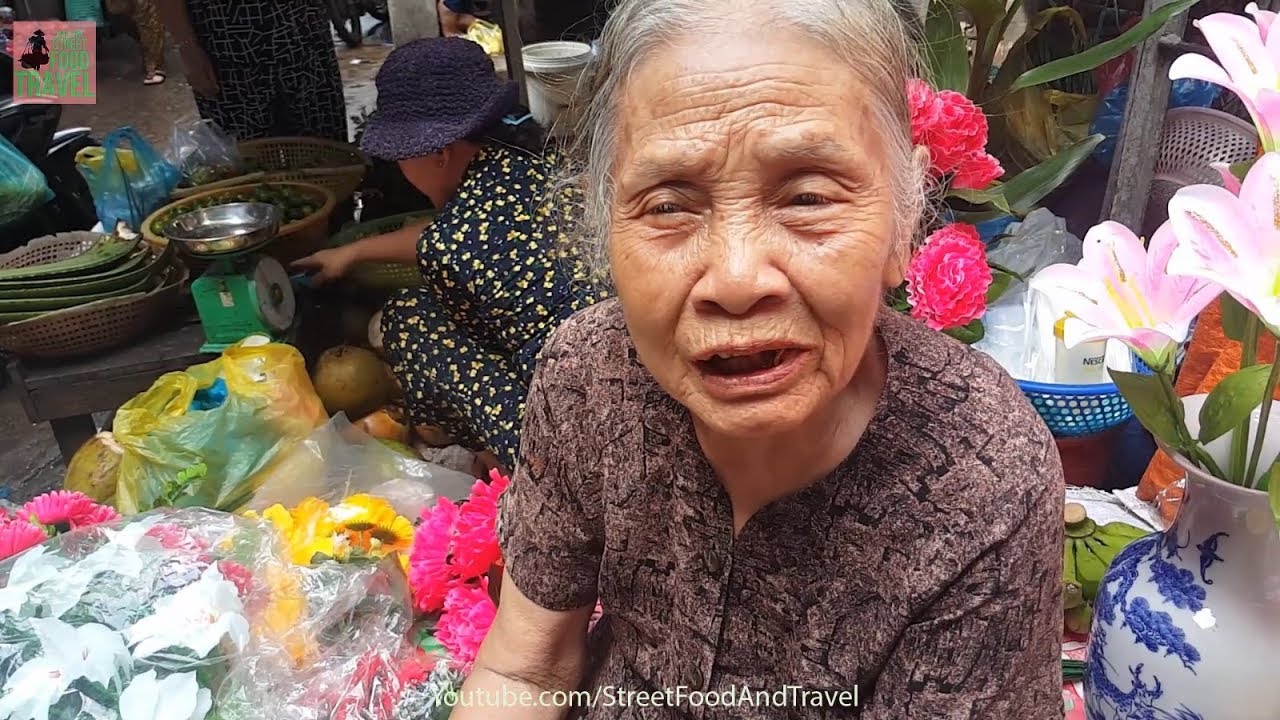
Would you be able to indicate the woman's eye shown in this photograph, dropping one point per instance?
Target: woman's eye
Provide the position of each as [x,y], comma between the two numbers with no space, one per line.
[666,208]
[808,199]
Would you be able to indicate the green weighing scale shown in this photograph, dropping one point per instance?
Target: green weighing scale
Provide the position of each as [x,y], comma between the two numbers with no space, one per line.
[243,292]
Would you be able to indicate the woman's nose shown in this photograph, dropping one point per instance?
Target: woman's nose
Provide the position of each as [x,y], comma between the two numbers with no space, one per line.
[740,277]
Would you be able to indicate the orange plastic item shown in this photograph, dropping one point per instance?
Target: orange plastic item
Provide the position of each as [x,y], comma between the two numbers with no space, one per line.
[1211,357]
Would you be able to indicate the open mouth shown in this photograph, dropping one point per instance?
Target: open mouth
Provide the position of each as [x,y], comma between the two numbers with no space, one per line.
[747,364]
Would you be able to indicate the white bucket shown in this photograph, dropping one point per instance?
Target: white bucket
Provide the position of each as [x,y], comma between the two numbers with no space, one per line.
[554,77]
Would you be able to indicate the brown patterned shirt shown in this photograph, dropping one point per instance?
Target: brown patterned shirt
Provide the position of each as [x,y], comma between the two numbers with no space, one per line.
[924,572]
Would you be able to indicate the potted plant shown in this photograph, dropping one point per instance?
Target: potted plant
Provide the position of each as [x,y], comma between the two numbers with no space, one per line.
[1012,89]
[1185,624]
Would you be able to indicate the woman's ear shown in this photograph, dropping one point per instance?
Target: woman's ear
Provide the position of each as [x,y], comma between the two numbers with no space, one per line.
[895,266]
[443,157]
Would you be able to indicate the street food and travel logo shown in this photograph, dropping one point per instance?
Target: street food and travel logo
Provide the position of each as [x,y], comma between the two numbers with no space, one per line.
[55,63]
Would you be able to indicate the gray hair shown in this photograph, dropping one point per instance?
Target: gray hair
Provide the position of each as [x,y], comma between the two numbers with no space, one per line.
[876,38]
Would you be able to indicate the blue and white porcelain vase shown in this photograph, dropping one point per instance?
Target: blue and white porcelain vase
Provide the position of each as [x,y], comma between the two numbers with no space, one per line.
[1186,625]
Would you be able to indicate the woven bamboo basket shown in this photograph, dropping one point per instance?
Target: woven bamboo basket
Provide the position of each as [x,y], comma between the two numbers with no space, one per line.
[382,276]
[335,166]
[295,240]
[96,326]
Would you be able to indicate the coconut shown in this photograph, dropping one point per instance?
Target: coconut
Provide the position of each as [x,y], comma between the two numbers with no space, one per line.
[352,380]
[94,467]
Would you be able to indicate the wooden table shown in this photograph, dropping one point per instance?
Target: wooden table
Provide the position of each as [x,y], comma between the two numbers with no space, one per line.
[67,394]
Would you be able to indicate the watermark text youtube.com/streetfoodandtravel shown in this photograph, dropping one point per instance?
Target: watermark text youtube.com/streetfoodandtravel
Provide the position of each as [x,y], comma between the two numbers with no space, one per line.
[55,63]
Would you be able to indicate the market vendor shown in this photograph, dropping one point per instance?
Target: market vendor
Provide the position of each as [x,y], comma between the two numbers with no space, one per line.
[261,68]
[496,280]
[767,477]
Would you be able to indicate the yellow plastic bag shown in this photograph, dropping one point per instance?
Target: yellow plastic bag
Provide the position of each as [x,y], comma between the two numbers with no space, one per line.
[486,35]
[201,437]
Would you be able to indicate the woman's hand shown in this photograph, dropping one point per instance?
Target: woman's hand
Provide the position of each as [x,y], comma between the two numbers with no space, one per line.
[199,70]
[328,265]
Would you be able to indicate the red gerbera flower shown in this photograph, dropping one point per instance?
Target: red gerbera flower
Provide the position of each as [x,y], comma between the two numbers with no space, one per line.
[17,536]
[58,508]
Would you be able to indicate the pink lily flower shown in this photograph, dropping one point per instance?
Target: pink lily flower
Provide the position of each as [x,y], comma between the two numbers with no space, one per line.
[1229,179]
[1120,290]
[1248,64]
[1233,240]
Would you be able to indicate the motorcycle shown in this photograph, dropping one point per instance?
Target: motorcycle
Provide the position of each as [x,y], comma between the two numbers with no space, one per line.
[346,18]
[32,129]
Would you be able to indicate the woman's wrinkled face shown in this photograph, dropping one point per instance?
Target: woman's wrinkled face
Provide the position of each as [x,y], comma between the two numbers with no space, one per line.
[753,231]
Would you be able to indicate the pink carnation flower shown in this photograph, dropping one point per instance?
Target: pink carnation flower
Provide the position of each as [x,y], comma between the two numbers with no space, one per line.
[948,278]
[468,614]
[237,575]
[18,535]
[429,571]
[475,548]
[954,130]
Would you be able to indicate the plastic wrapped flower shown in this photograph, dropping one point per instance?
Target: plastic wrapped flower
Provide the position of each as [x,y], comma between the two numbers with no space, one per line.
[17,536]
[468,614]
[476,538]
[65,510]
[372,525]
[429,572]
[948,278]
[954,130]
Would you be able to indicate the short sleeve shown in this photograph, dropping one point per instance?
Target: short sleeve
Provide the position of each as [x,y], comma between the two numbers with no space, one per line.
[550,525]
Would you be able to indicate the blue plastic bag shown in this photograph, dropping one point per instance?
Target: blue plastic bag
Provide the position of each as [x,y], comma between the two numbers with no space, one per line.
[128,184]
[1109,116]
[22,185]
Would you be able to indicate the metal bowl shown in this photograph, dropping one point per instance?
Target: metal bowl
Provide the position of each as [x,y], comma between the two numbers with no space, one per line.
[225,229]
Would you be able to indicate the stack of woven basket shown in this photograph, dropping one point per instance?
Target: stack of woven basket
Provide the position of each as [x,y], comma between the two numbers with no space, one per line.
[84,292]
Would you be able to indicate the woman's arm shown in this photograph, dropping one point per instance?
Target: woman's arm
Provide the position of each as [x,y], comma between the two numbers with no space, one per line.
[531,658]
[989,647]
[552,534]
[400,246]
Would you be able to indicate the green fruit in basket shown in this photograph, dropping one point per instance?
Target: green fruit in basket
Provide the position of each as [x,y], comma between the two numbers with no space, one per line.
[1090,547]
[106,253]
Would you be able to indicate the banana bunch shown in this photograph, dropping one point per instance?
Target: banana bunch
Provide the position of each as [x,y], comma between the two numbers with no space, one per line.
[1086,554]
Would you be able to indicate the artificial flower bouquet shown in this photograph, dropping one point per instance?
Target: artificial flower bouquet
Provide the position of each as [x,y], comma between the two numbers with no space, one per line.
[193,614]
[949,281]
[1218,242]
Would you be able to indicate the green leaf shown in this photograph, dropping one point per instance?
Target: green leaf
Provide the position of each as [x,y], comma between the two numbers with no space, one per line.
[1000,282]
[993,40]
[975,218]
[1032,185]
[1241,169]
[1001,268]
[1017,60]
[1231,401]
[986,14]
[1102,52]
[968,334]
[1234,317]
[944,48]
[992,196]
[1150,405]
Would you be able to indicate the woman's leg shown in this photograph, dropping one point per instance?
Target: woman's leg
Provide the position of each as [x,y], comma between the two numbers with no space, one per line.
[241,108]
[151,36]
[309,82]
[451,381]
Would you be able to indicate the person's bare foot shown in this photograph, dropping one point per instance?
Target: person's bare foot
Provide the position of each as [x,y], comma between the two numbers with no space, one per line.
[155,78]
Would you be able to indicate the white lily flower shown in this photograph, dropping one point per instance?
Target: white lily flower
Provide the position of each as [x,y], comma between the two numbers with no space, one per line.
[29,570]
[68,653]
[176,697]
[196,617]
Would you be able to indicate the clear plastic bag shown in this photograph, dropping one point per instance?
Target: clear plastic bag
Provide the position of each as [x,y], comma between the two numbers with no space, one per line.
[203,153]
[22,185]
[338,460]
[126,184]
[193,613]
[201,437]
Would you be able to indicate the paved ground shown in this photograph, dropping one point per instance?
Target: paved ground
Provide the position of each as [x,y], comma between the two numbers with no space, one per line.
[29,459]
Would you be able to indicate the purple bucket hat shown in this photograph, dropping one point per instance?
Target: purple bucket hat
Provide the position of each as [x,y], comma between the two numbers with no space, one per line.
[432,93]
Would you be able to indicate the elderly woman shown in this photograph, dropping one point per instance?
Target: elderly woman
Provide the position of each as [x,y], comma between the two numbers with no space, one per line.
[496,283]
[766,477]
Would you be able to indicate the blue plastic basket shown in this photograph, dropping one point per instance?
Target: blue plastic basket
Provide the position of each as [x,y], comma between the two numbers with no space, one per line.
[1080,410]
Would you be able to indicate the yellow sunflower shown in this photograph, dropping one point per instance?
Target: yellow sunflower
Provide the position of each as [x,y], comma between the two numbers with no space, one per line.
[362,513]
[395,536]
